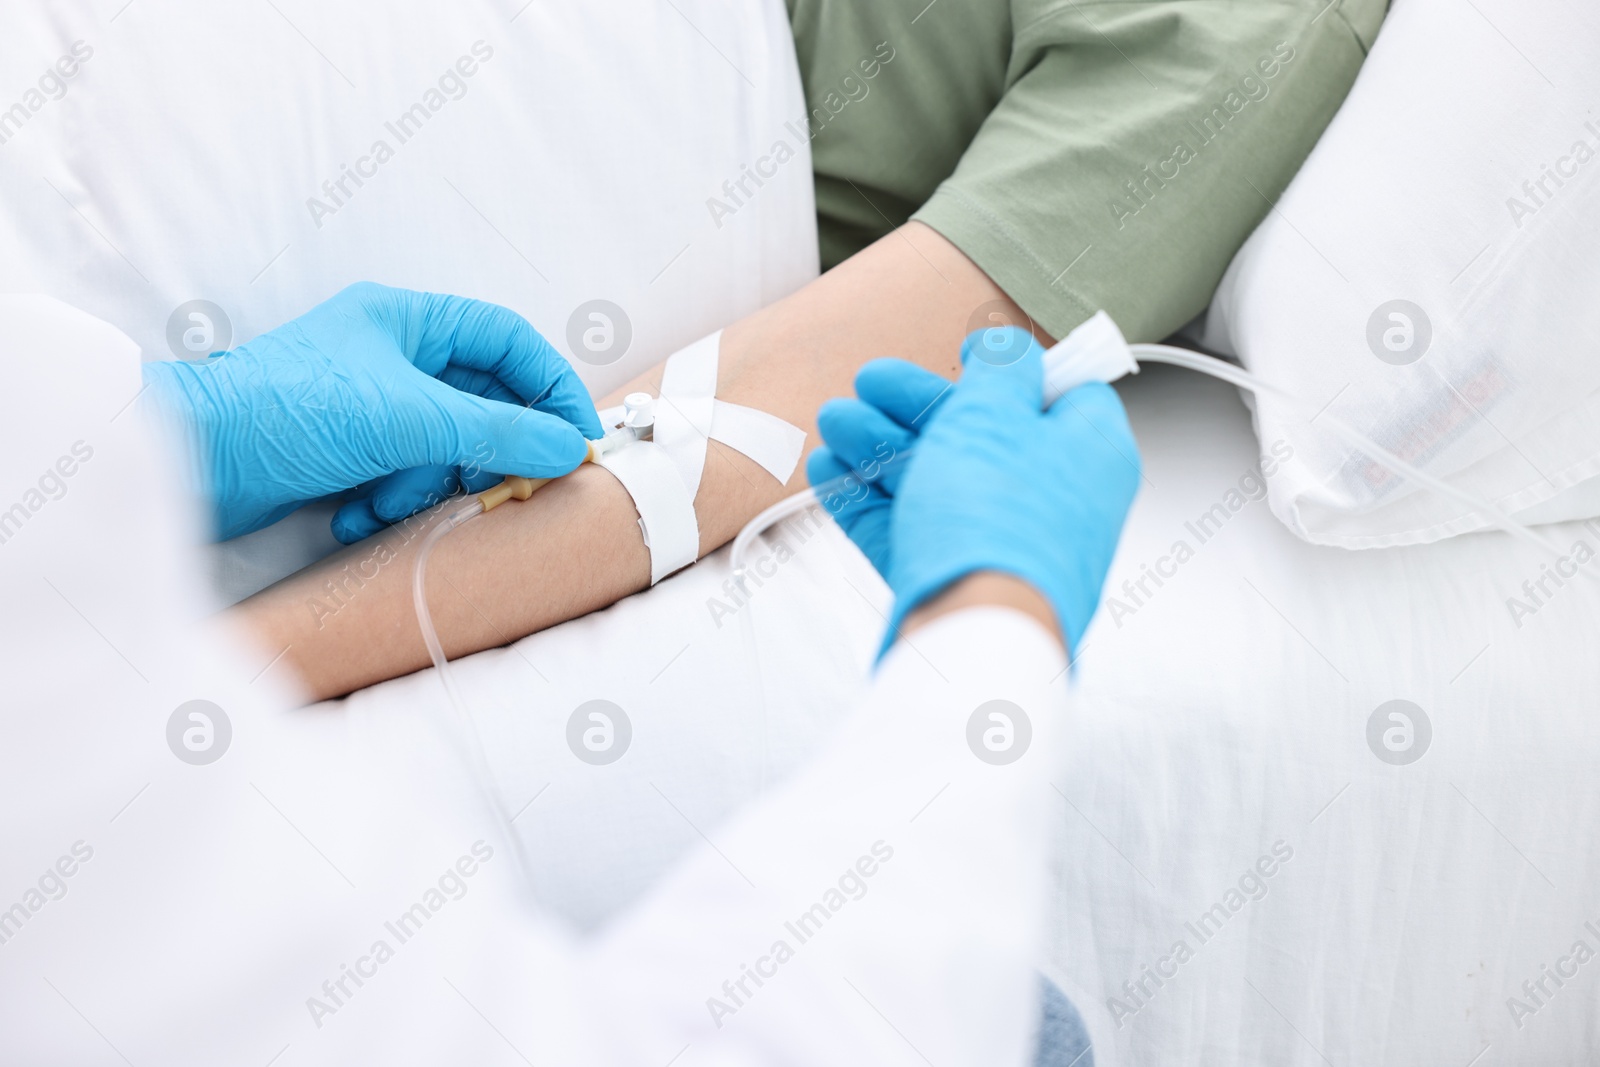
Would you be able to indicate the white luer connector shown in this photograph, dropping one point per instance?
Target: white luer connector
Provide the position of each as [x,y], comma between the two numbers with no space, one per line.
[639,413]
[1094,352]
[638,424]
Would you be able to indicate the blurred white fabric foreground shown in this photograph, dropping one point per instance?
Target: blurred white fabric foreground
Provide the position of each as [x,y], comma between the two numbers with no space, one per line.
[313,887]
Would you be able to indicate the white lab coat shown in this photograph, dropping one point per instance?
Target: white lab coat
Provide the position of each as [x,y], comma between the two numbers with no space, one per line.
[324,895]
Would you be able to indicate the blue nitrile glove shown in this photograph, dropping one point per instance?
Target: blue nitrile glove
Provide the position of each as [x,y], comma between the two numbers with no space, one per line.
[412,392]
[994,483]
[868,440]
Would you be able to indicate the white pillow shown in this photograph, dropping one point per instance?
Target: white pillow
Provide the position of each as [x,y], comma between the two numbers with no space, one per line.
[1431,276]
[538,155]
[542,156]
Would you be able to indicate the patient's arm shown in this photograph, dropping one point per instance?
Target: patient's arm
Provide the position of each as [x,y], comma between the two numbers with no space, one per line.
[575,546]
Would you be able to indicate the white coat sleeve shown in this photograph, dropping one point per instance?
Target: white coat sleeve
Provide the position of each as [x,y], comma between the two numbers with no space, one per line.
[887,905]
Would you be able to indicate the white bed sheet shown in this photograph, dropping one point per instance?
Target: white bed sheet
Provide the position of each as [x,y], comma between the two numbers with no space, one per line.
[1227,713]
[1230,712]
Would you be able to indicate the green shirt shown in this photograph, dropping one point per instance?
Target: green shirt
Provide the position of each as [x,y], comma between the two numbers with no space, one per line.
[1085,154]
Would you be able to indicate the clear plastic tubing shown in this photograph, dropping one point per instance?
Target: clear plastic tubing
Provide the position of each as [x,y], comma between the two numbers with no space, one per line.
[1216,368]
[1235,375]
[637,424]
[462,731]
[458,516]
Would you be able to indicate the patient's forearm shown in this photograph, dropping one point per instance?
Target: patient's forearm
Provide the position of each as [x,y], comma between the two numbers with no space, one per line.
[576,546]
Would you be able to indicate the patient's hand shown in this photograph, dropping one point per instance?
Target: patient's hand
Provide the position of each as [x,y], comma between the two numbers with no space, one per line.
[347,621]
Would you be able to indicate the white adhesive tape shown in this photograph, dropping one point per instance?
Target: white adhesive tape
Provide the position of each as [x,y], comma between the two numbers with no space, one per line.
[663,475]
[666,509]
[776,445]
[687,406]
[767,439]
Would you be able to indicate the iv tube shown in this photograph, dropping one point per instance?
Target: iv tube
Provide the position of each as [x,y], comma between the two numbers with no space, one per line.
[1216,368]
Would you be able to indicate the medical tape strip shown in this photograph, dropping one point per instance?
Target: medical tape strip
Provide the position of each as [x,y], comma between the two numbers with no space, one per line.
[686,407]
[774,444]
[663,475]
[666,510]
[767,439]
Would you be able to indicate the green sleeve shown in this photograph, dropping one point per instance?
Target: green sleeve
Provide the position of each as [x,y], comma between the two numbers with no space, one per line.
[1084,153]
[894,96]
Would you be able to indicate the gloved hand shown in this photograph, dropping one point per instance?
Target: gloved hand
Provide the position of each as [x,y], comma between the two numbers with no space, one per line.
[412,392]
[994,484]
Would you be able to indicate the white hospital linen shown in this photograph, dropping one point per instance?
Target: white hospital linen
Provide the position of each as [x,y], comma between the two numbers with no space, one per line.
[333,894]
[1429,277]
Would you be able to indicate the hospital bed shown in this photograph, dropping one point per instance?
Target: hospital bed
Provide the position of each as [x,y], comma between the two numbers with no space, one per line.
[1253,867]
